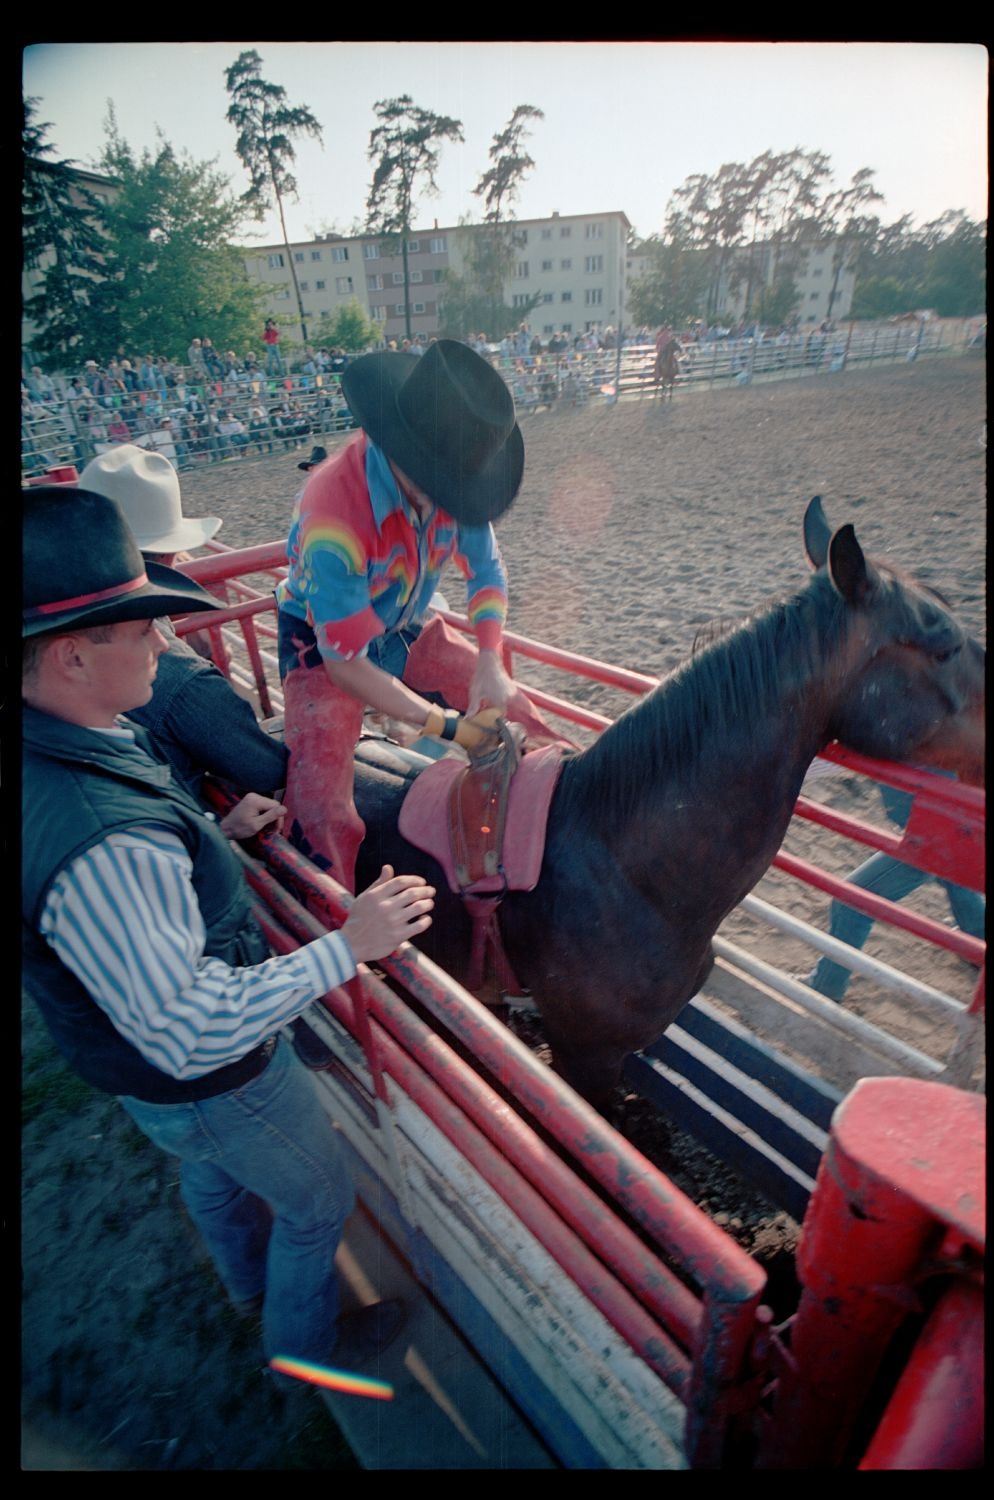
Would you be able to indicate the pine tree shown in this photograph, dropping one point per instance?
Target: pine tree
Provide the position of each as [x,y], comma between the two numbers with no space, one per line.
[266,126]
[404,146]
[62,242]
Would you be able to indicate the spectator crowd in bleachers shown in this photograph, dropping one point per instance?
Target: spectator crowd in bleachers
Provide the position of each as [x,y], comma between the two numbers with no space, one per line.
[214,407]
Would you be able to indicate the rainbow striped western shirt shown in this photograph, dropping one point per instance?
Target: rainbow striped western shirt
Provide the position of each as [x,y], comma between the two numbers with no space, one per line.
[361,562]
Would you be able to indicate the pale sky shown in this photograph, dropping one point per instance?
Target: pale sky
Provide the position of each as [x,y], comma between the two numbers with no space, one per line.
[625,122]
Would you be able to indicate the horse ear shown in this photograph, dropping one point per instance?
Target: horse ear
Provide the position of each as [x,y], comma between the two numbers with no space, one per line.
[817,534]
[851,574]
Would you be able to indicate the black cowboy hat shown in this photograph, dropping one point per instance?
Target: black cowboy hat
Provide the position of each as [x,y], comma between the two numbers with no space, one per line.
[318,456]
[446,419]
[82,566]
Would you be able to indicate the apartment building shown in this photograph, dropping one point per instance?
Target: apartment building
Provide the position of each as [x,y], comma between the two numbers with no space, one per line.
[575,263]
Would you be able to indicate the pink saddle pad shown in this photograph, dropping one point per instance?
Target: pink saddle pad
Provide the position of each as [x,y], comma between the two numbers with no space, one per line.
[424,818]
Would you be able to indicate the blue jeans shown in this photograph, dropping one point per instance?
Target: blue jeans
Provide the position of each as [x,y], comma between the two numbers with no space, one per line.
[891,878]
[266,1183]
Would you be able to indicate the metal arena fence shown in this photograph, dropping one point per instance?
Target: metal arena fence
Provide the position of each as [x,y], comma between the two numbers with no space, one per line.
[196,423]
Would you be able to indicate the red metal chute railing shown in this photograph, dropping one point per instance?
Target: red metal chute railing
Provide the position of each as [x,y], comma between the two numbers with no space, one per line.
[689,1301]
[899,1202]
[699,1344]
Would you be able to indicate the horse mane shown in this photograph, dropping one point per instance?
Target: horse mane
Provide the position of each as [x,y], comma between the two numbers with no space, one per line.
[737,675]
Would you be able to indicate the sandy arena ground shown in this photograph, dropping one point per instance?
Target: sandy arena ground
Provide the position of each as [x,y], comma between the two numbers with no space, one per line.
[635,526]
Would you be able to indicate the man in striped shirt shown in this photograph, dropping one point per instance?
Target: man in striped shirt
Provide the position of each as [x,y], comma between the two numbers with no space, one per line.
[438,459]
[139,943]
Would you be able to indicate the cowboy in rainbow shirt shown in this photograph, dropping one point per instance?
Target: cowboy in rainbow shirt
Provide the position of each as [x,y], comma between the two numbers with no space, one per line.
[438,459]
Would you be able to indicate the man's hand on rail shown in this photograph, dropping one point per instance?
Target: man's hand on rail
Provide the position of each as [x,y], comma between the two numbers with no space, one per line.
[251,815]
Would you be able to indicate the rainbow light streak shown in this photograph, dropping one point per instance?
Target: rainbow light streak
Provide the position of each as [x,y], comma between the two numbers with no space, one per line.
[332,1380]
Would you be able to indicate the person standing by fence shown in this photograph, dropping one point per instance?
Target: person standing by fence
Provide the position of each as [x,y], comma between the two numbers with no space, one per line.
[883,875]
[271,339]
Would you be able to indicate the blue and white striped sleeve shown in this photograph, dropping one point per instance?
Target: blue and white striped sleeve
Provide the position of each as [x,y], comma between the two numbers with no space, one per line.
[125,919]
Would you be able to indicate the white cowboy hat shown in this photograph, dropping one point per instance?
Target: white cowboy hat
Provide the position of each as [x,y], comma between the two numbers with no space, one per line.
[146,487]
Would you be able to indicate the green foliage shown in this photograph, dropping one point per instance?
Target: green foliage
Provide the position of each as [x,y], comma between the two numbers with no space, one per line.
[465,309]
[170,271]
[501,183]
[349,328]
[879,297]
[267,125]
[474,302]
[62,241]
[941,266]
[744,229]
[404,147]
[673,288]
[776,304]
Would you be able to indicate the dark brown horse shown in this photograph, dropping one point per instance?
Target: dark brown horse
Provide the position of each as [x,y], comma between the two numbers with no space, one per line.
[662,826]
[666,369]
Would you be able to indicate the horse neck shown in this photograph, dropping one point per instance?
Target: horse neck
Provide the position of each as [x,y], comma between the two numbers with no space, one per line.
[708,766]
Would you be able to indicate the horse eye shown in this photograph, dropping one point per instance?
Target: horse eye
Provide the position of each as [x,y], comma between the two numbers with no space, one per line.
[946,655]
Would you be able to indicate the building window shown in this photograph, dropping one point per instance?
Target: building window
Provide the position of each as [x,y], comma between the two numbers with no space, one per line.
[276,261]
[379,313]
[298,256]
[813,297]
[439,246]
[548,297]
[412,247]
[566,297]
[565,230]
[547,234]
[594,231]
[319,286]
[548,327]
[436,276]
[566,327]
[417,307]
[521,269]
[566,265]
[398,278]
[371,252]
[593,296]
[375,283]
[817,271]
[593,263]
[304,287]
[547,265]
[343,284]
[315,255]
[399,309]
[340,252]
[521,236]
[416,276]
[281,296]
[520,299]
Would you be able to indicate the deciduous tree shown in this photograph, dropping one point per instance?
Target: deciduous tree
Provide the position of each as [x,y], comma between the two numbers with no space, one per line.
[170,270]
[349,328]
